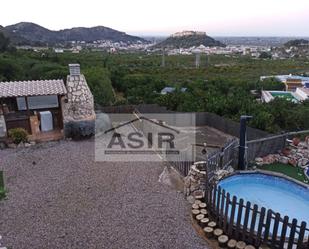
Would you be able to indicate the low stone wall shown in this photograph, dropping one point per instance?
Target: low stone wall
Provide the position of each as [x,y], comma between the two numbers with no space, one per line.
[195,182]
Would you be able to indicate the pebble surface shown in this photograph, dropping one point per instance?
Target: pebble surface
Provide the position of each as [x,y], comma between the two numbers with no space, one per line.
[59,197]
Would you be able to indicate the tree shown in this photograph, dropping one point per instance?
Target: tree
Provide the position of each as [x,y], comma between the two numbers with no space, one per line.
[100,84]
[270,84]
[10,70]
[265,55]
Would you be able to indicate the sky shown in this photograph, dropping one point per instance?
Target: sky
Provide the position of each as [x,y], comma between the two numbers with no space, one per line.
[163,17]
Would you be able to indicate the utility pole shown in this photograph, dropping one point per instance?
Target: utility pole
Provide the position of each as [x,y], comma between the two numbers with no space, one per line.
[242,164]
[197,59]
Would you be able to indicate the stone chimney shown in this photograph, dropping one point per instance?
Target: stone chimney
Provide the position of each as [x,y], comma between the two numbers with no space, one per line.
[74,69]
[78,106]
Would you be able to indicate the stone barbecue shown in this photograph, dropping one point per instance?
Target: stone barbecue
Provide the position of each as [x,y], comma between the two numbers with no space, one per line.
[78,106]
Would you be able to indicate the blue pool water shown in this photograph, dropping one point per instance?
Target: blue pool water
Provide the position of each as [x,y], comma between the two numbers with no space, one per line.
[271,192]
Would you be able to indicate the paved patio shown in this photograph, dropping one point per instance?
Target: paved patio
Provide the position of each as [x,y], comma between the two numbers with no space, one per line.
[60,198]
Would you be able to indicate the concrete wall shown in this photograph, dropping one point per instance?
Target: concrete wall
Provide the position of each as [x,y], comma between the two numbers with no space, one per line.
[202,119]
[227,126]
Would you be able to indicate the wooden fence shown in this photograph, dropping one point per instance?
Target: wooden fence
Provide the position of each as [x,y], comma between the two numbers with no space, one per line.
[253,224]
[221,159]
[183,164]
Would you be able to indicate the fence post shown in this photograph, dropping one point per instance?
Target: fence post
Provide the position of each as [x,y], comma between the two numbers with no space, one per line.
[221,158]
[242,164]
[222,208]
[283,231]
[206,192]
[231,222]
[253,221]
[239,216]
[292,234]
[267,225]
[275,231]
[218,205]
[214,196]
[300,242]
[210,191]
[226,214]
[260,227]
[246,220]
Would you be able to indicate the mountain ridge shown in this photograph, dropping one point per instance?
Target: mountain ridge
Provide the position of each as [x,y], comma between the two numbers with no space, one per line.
[28,33]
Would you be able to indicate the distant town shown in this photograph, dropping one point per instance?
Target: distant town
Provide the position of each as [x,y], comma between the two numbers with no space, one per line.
[183,43]
[255,51]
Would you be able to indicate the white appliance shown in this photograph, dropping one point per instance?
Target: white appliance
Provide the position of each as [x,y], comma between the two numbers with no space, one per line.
[46,121]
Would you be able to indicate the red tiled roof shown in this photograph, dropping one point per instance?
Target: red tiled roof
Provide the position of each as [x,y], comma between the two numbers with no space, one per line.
[32,88]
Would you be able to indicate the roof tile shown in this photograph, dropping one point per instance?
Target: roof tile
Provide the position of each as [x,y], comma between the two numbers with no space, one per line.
[32,88]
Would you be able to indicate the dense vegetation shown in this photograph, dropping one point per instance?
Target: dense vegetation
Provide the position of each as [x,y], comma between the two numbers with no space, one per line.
[221,85]
[189,41]
[296,43]
[4,42]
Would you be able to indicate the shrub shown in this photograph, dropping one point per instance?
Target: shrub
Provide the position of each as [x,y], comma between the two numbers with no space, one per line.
[18,135]
[2,193]
[2,189]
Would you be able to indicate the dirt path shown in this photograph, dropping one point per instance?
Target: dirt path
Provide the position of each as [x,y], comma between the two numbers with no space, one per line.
[60,198]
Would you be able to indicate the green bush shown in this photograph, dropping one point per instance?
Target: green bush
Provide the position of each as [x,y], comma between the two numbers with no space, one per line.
[18,135]
[2,190]
[2,193]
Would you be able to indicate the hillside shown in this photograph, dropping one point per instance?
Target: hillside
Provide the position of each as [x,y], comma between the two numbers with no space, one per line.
[189,39]
[26,33]
[15,39]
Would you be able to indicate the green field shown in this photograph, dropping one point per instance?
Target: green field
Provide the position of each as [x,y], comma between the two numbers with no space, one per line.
[291,171]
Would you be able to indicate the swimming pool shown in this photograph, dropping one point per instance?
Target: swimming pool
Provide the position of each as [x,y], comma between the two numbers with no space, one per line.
[272,192]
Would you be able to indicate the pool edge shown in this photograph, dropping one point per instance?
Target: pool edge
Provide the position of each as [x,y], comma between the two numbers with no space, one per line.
[270,173]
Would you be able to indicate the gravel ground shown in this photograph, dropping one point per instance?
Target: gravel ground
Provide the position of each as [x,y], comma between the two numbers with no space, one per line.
[60,198]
